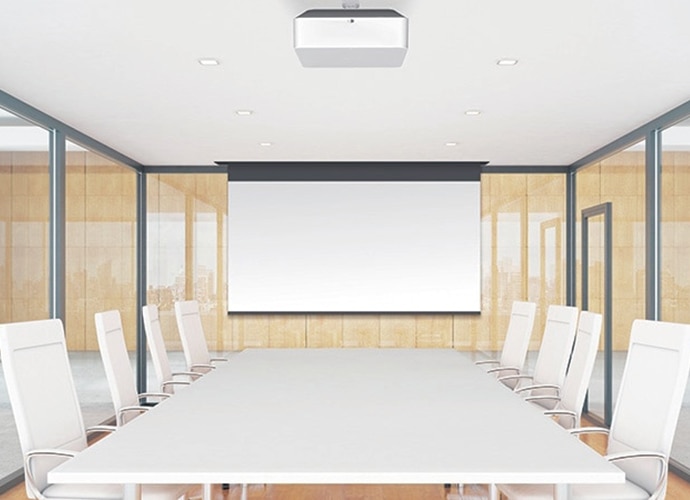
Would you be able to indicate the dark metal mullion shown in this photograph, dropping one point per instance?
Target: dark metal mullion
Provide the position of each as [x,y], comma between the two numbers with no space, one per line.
[57,238]
[608,311]
[653,226]
[570,236]
[141,281]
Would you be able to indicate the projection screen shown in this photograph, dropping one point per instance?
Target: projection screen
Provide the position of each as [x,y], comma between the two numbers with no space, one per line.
[354,238]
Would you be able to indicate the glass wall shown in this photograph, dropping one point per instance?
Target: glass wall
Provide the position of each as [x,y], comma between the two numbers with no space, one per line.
[523,217]
[675,251]
[523,252]
[24,229]
[619,179]
[185,250]
[100,267]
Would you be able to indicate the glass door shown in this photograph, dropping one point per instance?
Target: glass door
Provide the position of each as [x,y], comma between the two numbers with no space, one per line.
[597,291]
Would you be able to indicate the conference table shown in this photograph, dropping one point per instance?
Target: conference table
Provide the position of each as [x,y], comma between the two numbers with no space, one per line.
[341,416]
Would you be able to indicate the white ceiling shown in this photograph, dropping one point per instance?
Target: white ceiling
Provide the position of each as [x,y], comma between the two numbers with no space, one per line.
[126,73]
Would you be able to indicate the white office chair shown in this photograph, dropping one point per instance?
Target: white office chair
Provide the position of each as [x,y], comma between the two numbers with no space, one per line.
[118,370]
[159,356]
[47,413]
[572,395]
[516,342]
[193,339]
[644,419]
[552,360]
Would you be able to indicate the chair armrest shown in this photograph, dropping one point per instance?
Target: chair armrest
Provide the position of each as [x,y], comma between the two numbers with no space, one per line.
[100,428]
[562,413]
[504,368]
[161,395]
[487,362]
[516,377]
[588,430]
[538,386]
[663,477]
[202,365]
[127,409]
[174,382]
[41,453]
[543,397]
[213,360]
[194,375]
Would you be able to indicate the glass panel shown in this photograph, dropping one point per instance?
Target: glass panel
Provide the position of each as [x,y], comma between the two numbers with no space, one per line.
[24,229]
[675,240]
[596,295]
[619,179]
[186,256]
[185,251]
[100,267]
[523,258]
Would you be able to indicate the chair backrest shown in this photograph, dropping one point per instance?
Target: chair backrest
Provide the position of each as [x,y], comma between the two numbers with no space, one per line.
[574,389]
[118,369]
[41,390]
[650,395]
[191,333]
[519,332]
[154,338]
[556,346]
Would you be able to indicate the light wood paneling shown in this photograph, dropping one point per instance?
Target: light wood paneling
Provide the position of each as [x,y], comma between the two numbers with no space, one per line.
[325,330]
[435,330]
[397,330]
[287,330]
[361,330]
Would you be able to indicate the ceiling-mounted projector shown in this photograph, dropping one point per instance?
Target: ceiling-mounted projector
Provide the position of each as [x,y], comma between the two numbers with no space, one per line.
[353,38]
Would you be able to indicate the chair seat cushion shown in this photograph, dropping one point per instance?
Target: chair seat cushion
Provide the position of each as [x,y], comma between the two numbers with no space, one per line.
[112,491]
[627,491]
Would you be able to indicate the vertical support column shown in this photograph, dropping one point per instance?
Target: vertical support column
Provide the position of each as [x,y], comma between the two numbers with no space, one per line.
[653,225]
[57,243]
[608,313]
[141,280]
[570,234]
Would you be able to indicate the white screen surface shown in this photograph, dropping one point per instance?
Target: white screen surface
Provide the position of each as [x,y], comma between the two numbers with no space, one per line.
[354,246]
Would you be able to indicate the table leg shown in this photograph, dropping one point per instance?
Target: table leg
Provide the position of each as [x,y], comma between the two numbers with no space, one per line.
[493,492]
[207,492]
[561,492]
[132,492]
[244,492]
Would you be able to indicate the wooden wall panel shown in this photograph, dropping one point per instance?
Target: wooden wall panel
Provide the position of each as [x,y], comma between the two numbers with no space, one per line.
[361,330]
[325,330]
[434,330]
[397,330]
[287,330]
[252,330]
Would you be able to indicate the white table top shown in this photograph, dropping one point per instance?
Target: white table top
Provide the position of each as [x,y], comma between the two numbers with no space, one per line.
[384,416]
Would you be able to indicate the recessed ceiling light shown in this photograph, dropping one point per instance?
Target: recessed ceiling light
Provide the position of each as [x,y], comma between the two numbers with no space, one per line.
[244,112]
[451,144]
[209,62]
[266,144]
[473,112]
[507,62]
